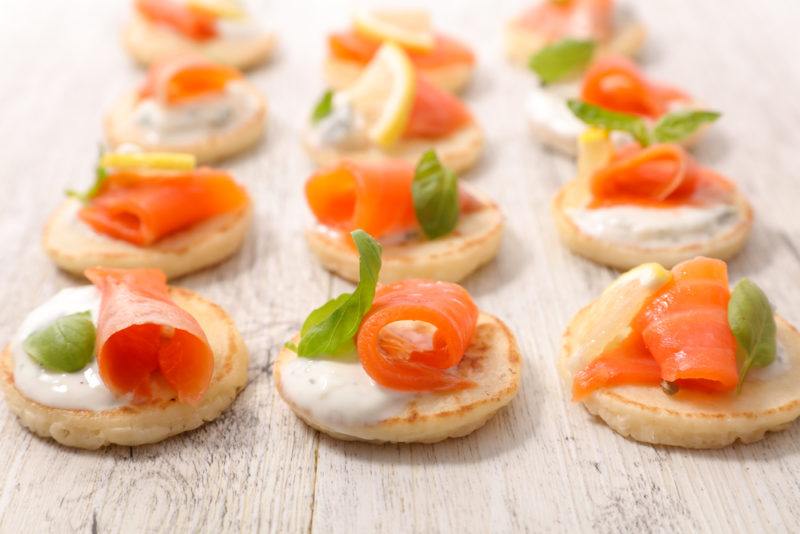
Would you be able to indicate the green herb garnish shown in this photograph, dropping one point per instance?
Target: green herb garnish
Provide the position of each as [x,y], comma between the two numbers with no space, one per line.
[323,108]
[678,125]
[65,345]
[611,120]
[330,329]
[561,59]
[435,192]
[100,177]
[752,322]
[671,128]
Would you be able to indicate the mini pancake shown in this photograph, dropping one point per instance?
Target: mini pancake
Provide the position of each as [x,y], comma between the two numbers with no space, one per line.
[120,128]
[147,43]
[724,245]
[492,361]
[151,422]
[340,74]
[473,243]
[458,151]
[75,247]
[521,43]
[693,420]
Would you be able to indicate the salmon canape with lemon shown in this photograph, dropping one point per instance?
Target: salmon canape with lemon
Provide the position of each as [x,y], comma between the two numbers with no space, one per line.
[612,28]
[677,358]
[429,224]
[392,112]
[410,361]
[610,85]
[190,104]
[444,61]
[150,209]
[126,360]
[222,30]
[649,202]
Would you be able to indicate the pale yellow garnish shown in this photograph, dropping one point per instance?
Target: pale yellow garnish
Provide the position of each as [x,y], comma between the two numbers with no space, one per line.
[611,314]
[164,161]
[410,28]
[227,9]
[384,93]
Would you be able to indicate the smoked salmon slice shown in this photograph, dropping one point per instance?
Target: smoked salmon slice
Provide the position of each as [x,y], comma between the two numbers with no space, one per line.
[142,333]
[375,197]
[686,327]
[143,209]
[435,113]
[406,363]
[578,19]
[661,175]
[352,46]
[192,22]
[615,83]
[681,335]
[183,79]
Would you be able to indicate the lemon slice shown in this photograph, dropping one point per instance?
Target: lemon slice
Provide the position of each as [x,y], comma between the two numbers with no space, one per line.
[410,28]
[166,161]
[226,9]
[384,93]
[609,317]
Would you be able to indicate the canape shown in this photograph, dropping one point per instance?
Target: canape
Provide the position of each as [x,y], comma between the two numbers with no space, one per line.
[648,204]
[190,104]
[150,210]
[676,358]
[392,112]
[614,30]
[412,361]
[611,83]
[221,30]
[429,225]
[125,361]
[444,61]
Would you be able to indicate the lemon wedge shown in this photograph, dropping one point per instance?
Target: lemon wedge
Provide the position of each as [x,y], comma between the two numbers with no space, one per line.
[409,28]
[166,161]
[226,9]
[384,93]
[609,317]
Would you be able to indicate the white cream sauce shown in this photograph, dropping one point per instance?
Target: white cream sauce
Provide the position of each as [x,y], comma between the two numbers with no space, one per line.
[82,390]
[195,121]
[343,128]
[655,227]
[339,393]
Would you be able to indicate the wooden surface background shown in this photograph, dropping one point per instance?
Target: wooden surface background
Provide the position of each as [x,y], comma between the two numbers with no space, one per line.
[543,464]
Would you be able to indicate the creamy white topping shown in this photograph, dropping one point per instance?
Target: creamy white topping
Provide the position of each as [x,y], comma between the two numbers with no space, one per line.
[339,393]
[195,121]
[342,128]
[82,390]
[655,227]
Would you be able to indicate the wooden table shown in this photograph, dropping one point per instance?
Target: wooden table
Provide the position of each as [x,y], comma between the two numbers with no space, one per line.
[543,464]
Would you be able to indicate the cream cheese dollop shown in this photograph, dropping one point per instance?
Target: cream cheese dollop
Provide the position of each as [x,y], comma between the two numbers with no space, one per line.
[82,390]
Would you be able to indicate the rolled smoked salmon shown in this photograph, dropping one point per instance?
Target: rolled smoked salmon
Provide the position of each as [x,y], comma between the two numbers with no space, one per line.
[579,19]
[142,333]
[352,46]
[435,113]
[143,209]
[187,78]
[403,363]
[192,22]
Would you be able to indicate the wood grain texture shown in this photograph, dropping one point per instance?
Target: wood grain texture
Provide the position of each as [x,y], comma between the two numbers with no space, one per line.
[541,465]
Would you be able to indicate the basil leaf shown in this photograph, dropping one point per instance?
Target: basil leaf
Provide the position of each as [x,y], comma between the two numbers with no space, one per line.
[65,345]
[323,108]
[677,125]
[752,322]
[561,59]
[330,329]
[100,177]
[435,192]
[611,120]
